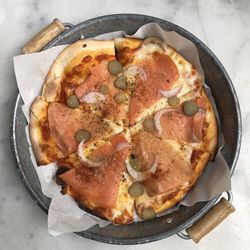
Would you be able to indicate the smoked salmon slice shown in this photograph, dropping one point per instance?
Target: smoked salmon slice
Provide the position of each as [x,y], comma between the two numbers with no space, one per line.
[161,73]
[98,75]
[64,122]
[178,126]
[172,170]
[100,185]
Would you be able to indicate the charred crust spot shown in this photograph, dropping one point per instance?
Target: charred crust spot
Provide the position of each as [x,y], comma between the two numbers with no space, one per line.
[78,68]
[205,125]
[59,181]
[62,170]
[99,58]
[196,154]
[197,82]
[125,55]
[87,59]
[45,129]
[133,156]
[170,196]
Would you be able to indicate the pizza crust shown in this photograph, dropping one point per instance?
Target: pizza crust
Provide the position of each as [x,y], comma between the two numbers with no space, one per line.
[131,43]
[38,113]
[211,133]
[69,57]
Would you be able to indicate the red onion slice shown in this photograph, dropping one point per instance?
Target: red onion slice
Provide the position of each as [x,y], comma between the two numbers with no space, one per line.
[93,97]
[141,175]
[157,118]
[84,159]
[202,110]
[171,92]
[122,145]
[134,70]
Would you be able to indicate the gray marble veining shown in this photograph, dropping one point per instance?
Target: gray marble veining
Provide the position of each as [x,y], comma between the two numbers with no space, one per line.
[222,25]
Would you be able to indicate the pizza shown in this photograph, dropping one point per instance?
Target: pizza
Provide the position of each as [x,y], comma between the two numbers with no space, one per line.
[128,124]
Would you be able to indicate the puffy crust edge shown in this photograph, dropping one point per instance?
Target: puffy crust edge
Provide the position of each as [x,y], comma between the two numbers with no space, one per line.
[52,85]
[38,111]
[131,43]
[211,132]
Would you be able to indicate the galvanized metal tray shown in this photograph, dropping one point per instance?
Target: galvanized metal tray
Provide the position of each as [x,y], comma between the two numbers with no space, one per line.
[228,108]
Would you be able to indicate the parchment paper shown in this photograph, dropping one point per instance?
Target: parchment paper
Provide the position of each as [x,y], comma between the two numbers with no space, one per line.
[64,214]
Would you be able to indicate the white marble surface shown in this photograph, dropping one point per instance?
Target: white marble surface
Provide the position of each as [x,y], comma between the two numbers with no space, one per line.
[222,25]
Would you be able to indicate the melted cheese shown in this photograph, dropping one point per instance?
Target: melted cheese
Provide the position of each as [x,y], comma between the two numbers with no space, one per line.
[124,201]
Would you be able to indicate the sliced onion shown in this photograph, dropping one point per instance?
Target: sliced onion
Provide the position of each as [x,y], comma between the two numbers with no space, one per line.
[134,70]
[90,163]
[142,175]
[171,92]
[157,118]
[122,145]
[202,110]
[93,97]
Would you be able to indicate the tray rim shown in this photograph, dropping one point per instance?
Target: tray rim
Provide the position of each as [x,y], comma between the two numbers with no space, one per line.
[210,203]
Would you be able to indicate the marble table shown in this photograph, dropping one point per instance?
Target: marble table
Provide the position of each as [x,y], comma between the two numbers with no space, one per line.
[222,25]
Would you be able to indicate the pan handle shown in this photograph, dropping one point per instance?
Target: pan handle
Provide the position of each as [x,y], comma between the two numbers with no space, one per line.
[210,220]
[47,34]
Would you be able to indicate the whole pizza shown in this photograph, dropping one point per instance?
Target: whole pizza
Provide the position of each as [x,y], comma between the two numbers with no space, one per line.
[127,122]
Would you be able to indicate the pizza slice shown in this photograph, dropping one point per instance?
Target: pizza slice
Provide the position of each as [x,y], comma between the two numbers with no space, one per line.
[86,73]
[56,129]
[153,70]
[96,178]
[58,118]
[189,119]
[163,171]
[73,66]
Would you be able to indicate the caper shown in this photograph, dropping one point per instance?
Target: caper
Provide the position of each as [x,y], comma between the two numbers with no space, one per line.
[148,213]
[135,164]
[82,134]
[72,101]
[120,97]
[114,67]
[190,108]
[136,189]
[104,89]
[149,124]
[173,101]
[121,82]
